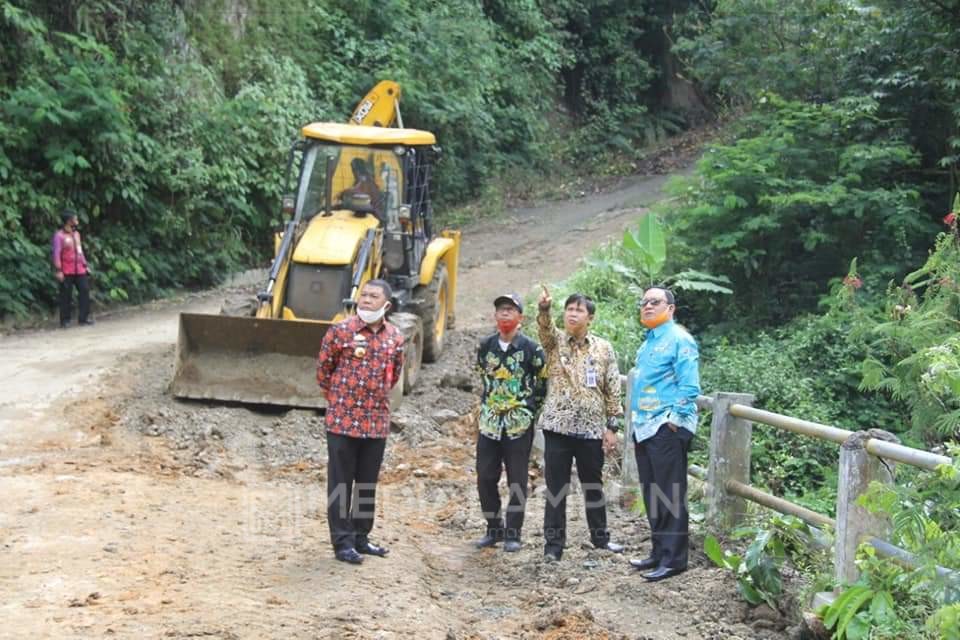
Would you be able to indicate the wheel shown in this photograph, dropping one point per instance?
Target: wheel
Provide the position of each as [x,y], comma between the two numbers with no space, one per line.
[412,329]
[434,309]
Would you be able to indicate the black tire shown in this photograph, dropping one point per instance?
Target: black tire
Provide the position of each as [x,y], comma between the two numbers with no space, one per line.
[434,309]
[412,329]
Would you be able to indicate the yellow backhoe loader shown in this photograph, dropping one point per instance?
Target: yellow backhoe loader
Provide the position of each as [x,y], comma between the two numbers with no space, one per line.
[360,210]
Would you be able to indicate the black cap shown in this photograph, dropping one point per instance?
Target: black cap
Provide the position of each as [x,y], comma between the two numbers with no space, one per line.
[512,298]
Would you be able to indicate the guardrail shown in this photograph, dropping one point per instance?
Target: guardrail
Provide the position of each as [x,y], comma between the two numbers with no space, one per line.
[864,457]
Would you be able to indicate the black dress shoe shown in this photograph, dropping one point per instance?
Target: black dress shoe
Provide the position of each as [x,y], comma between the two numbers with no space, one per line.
[662,574]
[86,322]
[488,540]
[349,555]
[370,549]
[611,546]
[512,546]
[643,565]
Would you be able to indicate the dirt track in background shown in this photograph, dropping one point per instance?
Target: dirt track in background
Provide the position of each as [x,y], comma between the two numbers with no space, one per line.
[127,514]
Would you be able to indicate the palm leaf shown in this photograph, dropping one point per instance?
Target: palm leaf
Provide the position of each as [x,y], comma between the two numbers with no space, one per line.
[699,285]
[700,275]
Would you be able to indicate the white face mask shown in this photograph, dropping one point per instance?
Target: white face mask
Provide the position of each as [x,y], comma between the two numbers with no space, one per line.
[372,317]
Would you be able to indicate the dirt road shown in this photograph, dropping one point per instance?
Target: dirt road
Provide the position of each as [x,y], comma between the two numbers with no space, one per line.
[126,514]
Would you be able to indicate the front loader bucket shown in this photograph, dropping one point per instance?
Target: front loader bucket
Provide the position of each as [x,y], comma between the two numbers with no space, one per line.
[250,360]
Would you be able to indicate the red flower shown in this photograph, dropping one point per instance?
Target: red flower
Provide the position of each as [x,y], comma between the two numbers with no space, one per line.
[853,281]
[950,218]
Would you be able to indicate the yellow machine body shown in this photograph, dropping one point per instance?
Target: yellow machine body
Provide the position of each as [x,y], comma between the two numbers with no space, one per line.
[270,357]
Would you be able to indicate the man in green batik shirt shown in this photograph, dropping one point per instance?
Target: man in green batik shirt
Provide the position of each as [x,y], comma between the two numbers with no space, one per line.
[512,369]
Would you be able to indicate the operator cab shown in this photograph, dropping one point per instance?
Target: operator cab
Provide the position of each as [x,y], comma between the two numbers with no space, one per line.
[362,172]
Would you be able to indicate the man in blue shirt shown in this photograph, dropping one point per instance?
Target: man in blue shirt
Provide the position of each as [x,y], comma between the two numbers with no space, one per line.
[663,420]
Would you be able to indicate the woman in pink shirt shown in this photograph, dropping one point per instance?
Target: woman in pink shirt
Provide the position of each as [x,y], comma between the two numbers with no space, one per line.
[71,269]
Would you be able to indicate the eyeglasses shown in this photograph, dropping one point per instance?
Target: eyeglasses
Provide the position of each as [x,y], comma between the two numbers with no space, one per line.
[655,302]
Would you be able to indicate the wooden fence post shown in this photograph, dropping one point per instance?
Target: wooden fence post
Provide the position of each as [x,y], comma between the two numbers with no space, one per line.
[729,460]
[854,523]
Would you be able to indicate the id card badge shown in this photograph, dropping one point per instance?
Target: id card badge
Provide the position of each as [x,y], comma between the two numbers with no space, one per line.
[591,378]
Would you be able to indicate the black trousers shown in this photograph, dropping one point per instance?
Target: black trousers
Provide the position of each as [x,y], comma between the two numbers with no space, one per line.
[492,457]
[559,452]
[662,470]
[82,283]
[353,466]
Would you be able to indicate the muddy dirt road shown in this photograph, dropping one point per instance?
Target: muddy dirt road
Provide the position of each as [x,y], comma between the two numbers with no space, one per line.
[126,514]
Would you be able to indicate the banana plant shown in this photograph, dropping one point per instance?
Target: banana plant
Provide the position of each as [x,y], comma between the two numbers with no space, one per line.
[648,246]
[645,253]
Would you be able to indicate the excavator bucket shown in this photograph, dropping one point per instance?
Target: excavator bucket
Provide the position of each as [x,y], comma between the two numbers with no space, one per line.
[249,360]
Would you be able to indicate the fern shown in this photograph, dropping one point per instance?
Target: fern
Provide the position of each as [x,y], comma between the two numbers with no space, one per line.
[948,424]
[916,354]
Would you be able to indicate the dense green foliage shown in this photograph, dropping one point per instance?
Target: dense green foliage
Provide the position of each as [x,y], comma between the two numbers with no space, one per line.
[172,178]
[803,190]
[915,349]
[167,124]
[902,55]
[849,153]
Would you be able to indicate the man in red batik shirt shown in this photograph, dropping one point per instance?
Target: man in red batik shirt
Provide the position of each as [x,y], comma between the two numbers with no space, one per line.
[360,360]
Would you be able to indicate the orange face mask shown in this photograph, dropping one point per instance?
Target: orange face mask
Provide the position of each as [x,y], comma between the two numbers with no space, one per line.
[655,321]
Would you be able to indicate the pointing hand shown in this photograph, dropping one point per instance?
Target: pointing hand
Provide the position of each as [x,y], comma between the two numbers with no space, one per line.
[545,299]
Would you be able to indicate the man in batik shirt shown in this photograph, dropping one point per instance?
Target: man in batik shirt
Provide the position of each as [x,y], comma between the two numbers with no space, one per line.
[360,360]
[511,367]
[580,419]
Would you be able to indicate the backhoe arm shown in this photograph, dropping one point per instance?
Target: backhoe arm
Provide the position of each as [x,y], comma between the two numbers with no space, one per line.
[380,107]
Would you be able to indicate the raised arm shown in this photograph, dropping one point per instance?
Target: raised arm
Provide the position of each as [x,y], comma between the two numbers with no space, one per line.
[547,331]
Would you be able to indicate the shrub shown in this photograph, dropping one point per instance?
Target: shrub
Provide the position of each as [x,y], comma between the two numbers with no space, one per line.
[783,209]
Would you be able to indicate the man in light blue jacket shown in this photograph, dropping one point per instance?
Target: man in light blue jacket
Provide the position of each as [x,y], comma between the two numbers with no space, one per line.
[663,422]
